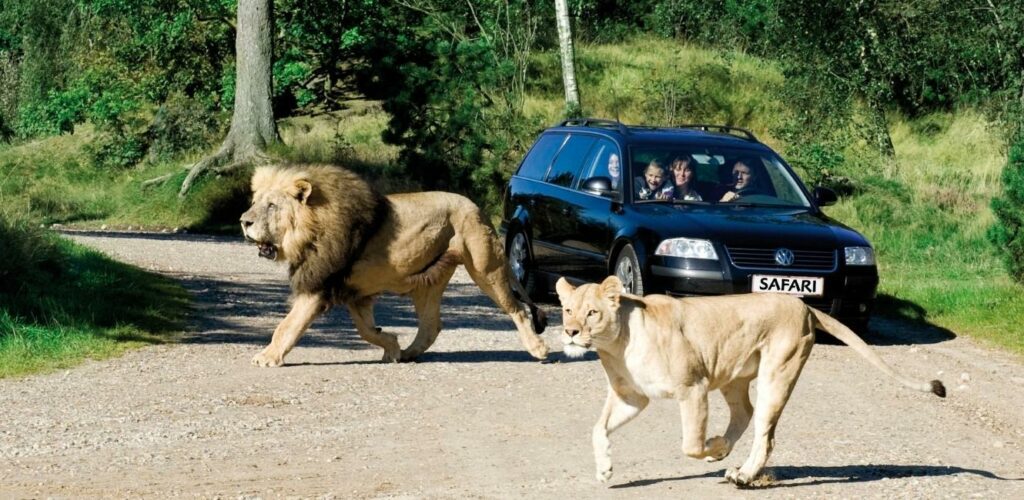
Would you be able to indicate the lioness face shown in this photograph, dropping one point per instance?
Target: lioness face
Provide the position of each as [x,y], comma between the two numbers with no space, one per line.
[277,206]
[589,314]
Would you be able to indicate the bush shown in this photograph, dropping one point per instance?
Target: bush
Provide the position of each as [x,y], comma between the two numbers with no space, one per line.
[30,257]
[1007,234]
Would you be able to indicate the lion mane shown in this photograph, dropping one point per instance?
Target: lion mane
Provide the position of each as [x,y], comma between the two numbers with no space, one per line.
[345,243]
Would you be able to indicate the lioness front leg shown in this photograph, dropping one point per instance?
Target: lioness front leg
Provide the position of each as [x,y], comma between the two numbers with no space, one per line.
[305,308]
[693,409]
[362,315]
[618,410]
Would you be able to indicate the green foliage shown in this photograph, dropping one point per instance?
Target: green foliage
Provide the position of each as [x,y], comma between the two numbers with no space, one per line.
[60,303]
[1008,233]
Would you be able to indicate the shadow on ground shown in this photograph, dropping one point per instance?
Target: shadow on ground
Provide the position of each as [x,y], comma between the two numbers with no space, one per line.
[899,322]
[245,312]
[791,477]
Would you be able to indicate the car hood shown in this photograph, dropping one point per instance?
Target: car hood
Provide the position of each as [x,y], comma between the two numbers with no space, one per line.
[748,226]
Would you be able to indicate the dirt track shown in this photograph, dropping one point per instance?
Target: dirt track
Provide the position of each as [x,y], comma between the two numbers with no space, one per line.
[475,417]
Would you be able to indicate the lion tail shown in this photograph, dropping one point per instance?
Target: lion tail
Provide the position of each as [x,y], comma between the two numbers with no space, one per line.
[436,271]
[538,318]
[848,337]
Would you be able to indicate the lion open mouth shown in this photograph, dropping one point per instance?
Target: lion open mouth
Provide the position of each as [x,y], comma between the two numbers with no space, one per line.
[267,251]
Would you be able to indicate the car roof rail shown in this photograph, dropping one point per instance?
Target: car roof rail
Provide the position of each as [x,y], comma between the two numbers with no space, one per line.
[721,128]
[595,122]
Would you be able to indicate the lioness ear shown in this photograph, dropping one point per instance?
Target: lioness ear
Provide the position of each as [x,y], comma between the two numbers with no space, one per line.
[611,290]
[302,190]
[564,289]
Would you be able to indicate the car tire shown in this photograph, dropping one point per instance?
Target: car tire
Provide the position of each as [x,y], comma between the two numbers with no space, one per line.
[627,269]
[521,263]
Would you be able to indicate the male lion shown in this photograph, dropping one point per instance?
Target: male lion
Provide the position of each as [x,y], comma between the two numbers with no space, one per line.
[661,347]
[345,243]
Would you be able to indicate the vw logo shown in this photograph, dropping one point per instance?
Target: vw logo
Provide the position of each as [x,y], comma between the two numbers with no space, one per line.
[784,257]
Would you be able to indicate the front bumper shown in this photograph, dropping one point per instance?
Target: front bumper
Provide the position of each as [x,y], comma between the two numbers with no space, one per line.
[849,291]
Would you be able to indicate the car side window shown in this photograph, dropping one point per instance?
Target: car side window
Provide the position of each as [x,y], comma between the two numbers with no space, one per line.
[536,163]
[569,161]
[604,161]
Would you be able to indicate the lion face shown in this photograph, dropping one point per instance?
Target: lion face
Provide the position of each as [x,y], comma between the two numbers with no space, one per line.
[589,314]
[278,209]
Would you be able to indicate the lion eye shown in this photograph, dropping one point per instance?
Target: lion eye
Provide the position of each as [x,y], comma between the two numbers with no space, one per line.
[568,311]
[271,206]
[591,312]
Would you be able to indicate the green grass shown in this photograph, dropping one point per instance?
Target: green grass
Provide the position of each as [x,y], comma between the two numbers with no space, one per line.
[927,215]
[61,303]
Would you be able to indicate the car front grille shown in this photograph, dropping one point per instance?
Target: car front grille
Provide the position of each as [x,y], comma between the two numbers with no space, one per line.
[823,305]
[764,258]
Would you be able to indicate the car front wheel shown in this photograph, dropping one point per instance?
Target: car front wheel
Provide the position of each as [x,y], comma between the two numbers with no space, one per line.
[627,269]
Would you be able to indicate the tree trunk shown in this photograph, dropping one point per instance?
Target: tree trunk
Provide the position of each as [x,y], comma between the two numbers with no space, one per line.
[572,94]
[252,122]
[879,129]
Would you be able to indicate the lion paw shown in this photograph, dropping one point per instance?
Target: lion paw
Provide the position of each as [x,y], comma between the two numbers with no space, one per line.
[604,475]
[392,356]
[717,448]
[267,359]
[734,476]
[539,351]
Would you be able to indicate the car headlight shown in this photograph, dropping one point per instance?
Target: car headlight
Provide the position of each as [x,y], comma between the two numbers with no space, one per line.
[687,248]
[860,256]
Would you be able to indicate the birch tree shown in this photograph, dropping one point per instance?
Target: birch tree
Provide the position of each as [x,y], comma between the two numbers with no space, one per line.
[572,93]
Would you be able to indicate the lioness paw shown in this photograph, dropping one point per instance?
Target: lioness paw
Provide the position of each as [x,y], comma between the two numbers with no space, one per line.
[604,475]
[267,359]
[717,448]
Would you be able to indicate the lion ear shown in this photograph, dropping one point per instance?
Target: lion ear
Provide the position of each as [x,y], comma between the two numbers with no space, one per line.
[611,290]
[302,190]
[564,289]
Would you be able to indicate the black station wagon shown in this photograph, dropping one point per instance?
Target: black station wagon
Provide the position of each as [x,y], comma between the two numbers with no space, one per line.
[725,215]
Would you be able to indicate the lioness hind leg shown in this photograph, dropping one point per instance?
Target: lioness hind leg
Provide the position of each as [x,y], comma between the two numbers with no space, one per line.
[777,375]
[619,409]
[485,262]
[737,396]
[362,315]
[428,310]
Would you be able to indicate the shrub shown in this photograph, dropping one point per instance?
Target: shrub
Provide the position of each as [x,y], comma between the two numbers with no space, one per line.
[30,257]
[1007,234]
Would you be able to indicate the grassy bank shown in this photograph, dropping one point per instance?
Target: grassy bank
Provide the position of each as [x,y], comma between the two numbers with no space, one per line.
[61,303]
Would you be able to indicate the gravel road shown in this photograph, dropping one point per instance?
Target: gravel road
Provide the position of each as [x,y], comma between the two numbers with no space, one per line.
[475,417]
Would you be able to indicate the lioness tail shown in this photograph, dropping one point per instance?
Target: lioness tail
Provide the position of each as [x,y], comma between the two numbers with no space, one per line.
[848,337]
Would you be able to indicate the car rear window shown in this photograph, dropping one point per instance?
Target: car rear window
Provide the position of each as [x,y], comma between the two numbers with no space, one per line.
[569,161]
[536,163]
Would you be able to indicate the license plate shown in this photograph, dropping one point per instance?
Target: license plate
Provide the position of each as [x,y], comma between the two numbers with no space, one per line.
[794,285]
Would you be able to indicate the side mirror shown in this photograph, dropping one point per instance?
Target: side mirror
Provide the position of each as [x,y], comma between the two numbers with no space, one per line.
[824,196]
[599,185]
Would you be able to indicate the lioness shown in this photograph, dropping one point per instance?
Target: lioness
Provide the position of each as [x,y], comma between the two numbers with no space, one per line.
[662,347]
[345,243]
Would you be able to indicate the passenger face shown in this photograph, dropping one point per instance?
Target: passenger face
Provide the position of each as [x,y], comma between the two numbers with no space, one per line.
[743,175]
[613,166]
[682,173]
[654,176]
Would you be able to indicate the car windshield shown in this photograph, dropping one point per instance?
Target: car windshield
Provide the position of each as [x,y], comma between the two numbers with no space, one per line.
[674,174]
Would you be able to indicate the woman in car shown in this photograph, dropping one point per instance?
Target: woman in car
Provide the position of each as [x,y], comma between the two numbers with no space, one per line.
[684,178]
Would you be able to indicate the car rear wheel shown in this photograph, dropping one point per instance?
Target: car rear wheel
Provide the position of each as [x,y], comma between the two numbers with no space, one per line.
[627,269]
[522,265]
